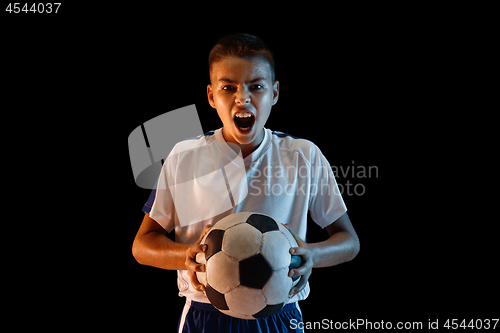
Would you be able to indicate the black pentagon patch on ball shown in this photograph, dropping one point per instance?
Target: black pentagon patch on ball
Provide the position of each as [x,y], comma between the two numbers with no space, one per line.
[263,223]
[216,298]
[255,271]
[268,310]
[214,242]
[294,263]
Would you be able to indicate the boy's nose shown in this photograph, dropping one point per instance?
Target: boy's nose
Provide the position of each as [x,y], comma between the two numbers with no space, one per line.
[242,97]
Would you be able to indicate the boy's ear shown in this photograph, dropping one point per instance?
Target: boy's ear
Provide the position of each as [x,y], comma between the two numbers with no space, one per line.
[276,91]
[210,95]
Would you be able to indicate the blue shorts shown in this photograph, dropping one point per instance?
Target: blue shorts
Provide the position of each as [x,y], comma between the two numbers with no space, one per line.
[205,318]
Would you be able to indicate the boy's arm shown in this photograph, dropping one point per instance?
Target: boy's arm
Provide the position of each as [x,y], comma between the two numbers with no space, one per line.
[341,246]
[151,247]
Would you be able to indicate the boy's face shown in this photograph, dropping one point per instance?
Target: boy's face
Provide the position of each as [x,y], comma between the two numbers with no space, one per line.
[243,93]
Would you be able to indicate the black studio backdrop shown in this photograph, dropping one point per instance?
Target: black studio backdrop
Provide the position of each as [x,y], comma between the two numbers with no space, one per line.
[353,87]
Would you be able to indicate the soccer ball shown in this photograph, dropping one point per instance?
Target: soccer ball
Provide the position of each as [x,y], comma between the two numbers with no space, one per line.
[247,262]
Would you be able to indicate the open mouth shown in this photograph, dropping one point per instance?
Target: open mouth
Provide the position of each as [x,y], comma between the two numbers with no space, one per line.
[244,121]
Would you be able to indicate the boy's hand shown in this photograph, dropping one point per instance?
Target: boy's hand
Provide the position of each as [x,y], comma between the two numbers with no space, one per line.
[305,269]
[192,266]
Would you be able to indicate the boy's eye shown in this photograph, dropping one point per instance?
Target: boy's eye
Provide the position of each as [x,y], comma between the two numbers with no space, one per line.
[228,88]
[252,87]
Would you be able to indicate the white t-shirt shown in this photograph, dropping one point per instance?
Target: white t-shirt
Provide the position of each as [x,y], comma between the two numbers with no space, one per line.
[204,180]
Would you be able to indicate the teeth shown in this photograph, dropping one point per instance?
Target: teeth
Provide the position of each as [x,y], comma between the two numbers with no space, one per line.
[243,114]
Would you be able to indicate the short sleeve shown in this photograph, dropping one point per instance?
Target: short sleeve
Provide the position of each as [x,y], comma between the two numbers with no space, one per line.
[149,204]
[326,204]
[160,203]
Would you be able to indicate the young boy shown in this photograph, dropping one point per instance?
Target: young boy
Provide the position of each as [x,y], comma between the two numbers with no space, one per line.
[286,178]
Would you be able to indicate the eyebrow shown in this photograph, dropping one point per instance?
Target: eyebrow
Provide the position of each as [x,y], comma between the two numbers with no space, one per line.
[252,81]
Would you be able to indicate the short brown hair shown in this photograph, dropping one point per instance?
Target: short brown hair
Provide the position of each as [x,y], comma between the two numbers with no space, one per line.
[241,45]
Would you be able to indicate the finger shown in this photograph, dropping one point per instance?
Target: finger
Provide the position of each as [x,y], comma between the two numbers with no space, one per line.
[302,270]
[195,267]
[195,249]
[300,251]
[205,231]
[306,264]
[300,285]
[191,263]
[194,281]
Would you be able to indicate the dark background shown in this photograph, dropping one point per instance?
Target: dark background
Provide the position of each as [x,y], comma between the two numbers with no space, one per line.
[367,89]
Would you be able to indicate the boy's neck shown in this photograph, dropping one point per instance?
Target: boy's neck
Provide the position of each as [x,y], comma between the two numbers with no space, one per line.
[246,149]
